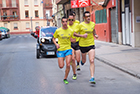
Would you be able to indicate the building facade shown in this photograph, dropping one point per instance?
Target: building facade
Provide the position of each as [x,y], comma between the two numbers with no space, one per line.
[117,21]
[64,9]
[22,16]
[9,14]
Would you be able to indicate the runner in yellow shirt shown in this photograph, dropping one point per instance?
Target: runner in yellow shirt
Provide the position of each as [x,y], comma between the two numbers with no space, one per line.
[86,42]
[74,15]
[64,35]
[75,46]
[77,52]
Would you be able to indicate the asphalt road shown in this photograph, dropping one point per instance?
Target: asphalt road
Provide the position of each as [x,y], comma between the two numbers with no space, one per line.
[22,73]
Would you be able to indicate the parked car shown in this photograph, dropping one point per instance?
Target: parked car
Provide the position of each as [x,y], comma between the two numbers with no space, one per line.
[3,33]
[45,45]
[7,32]
[0,35]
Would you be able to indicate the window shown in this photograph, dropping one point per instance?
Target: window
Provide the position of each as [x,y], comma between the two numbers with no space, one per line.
[27,25]
[35,2]
[100,16]
[36,13]
[4,14]
[37,23]
[26,14]
[25,2]
[5,25]
[47,14]
[4,3]
[15,26]
[15,14]
[13,3]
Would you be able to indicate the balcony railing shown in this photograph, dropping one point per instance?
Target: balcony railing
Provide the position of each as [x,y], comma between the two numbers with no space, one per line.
[48,5]
[10,18]
[10,6]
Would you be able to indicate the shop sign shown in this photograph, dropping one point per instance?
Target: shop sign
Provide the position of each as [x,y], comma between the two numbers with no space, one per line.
[79,3]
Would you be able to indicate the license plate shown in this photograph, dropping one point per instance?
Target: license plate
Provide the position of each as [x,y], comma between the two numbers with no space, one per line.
[50,53]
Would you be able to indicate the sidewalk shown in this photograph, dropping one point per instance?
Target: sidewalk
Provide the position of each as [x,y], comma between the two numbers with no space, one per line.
[122,57]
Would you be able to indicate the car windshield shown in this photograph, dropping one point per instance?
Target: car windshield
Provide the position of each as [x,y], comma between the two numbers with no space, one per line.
[48,32]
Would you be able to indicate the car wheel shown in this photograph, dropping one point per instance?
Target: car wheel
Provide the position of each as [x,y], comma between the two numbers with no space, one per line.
[37,53]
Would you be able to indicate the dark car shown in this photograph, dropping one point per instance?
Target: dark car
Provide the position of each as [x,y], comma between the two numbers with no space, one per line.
[6,31]
[0,35]
[45,45]
[3,33]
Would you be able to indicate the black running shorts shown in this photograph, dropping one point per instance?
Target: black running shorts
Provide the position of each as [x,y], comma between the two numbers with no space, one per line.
[75,46]
[86,49]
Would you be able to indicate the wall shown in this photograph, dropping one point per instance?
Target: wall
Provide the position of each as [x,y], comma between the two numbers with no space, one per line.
[136,25]
[103,29]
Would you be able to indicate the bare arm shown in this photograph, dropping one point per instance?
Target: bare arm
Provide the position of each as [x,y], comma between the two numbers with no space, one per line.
[94,33]
[73,40]
[54,41]
[79,35]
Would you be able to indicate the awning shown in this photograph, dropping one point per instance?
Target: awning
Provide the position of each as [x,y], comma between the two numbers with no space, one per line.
[61,1]
[105,3]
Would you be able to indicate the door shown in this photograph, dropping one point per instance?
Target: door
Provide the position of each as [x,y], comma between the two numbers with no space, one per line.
[128,25]
[114,33]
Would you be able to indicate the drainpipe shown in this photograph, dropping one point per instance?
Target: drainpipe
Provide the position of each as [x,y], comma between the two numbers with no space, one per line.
[117,30]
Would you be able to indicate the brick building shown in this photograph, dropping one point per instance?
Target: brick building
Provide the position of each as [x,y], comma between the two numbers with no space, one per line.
[22,16]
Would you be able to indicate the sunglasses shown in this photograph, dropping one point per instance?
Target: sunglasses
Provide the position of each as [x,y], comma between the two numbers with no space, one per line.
[64,21]
[87,16]
[71,20]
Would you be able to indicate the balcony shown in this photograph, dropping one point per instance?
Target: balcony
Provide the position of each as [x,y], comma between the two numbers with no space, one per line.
[47,5]
[11,6]
[9,18]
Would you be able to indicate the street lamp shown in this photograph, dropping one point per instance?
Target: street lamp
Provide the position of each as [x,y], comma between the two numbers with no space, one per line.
[48,24]
[31,25]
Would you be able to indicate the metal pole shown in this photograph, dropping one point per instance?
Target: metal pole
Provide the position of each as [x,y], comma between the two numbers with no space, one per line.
[117,30]
[47,20]
[31,25]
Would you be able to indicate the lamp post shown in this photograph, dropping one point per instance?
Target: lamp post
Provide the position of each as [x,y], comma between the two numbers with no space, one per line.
[31,25]
[48,24]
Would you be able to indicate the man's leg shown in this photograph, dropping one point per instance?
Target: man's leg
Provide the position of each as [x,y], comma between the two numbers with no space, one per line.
[68,59]
[61,62]
[91,54]
[77,55]
[73,62]
[83,58]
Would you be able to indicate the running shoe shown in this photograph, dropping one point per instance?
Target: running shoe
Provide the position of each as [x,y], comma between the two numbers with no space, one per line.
[92,80]
[78,68]
[82,63]
[74,77]
[65,81]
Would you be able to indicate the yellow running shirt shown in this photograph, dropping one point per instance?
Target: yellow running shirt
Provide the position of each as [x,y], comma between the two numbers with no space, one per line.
[63,38]
[73,27]
[86,28]
[76,21]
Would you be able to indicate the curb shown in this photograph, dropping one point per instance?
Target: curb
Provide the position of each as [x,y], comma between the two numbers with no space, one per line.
[117,67]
